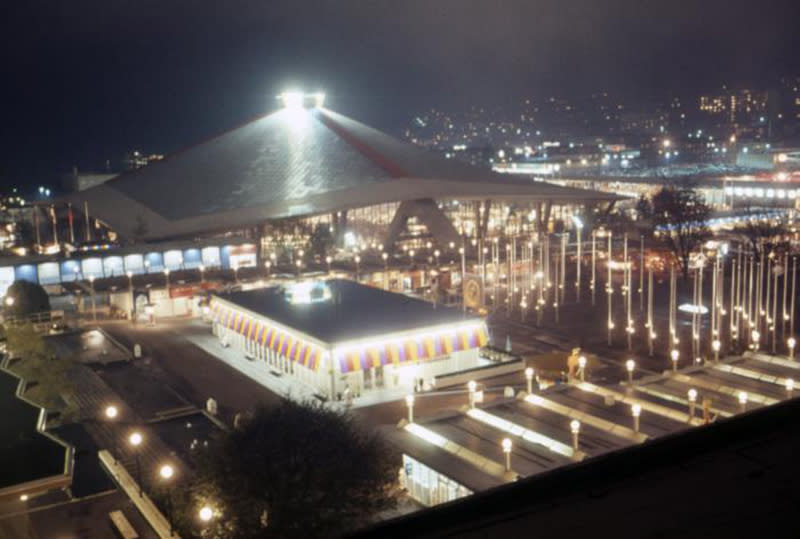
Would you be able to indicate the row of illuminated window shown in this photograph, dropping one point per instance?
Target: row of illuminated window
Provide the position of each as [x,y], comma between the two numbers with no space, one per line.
[761,192]
[75,269]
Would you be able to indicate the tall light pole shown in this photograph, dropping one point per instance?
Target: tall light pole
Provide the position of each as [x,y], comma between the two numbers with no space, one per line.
[385,257]
[328,261]
[630,365]
[506,443]
[135,439]
[575,429]
[791,343]
[743,401]
[358,265]
[716,346]
[166,279]
[94,303]
[674,354]
[582,368]
[202,269]
[130,289]
[111,413]
[166,472]
[636,411]
[594,265]
[789,387]
[410,405]
[692,394]
[529,379]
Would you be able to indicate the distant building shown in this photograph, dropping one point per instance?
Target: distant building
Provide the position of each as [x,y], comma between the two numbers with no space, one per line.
[736,107]
[137,159]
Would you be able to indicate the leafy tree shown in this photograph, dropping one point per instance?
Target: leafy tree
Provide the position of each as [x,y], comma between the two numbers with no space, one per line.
[680,220]
[24,298]
[295,470]
[47,375]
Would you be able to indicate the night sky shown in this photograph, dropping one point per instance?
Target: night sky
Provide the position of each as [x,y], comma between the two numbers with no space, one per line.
[85,80]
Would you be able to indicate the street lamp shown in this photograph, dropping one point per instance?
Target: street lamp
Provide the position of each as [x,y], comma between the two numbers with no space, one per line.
[436,253]
[111,413]
[674,356]
[268,265]
[529,379]
[756,335]
[328,261]
[472,386]
[791,342]
[716,346]
[630,365]
[130,285]
[94,304]
[692,394]
[743,400]
[166,278]
[202,269]
[166,472]
[507,450]
[582,368]
[410,404]
[575,428]
[206,513]
[636,410]
[135,440]
[411,256]
[789,387]
[358,265]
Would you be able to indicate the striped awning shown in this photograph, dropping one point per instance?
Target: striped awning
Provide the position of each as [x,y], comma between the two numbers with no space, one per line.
[411,350]
[269,336]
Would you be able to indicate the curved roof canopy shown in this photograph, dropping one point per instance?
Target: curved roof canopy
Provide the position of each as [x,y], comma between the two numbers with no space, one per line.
[292,163]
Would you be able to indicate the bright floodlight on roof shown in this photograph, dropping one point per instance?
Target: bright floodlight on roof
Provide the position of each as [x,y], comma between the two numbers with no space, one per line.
[292,100]
[298,100]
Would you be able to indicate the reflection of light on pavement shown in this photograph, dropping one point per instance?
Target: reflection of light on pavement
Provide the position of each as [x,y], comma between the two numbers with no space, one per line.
[93,338]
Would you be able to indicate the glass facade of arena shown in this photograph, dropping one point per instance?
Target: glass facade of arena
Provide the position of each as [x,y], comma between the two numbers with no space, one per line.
[108,264]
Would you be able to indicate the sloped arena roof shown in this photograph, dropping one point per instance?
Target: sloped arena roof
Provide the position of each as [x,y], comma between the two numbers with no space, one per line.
[293,163]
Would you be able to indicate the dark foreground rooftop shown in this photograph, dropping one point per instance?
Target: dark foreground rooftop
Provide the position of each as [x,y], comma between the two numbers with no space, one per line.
[25,453]
[735,478]
[355,311]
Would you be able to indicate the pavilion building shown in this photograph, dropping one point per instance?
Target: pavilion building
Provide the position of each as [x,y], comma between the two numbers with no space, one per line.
[341,338]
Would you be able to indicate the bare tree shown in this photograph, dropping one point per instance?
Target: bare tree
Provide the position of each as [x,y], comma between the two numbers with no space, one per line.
[765,233]
[680,220]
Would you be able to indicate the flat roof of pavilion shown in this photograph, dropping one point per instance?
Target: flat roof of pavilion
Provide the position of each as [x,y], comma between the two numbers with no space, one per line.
[353,312]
